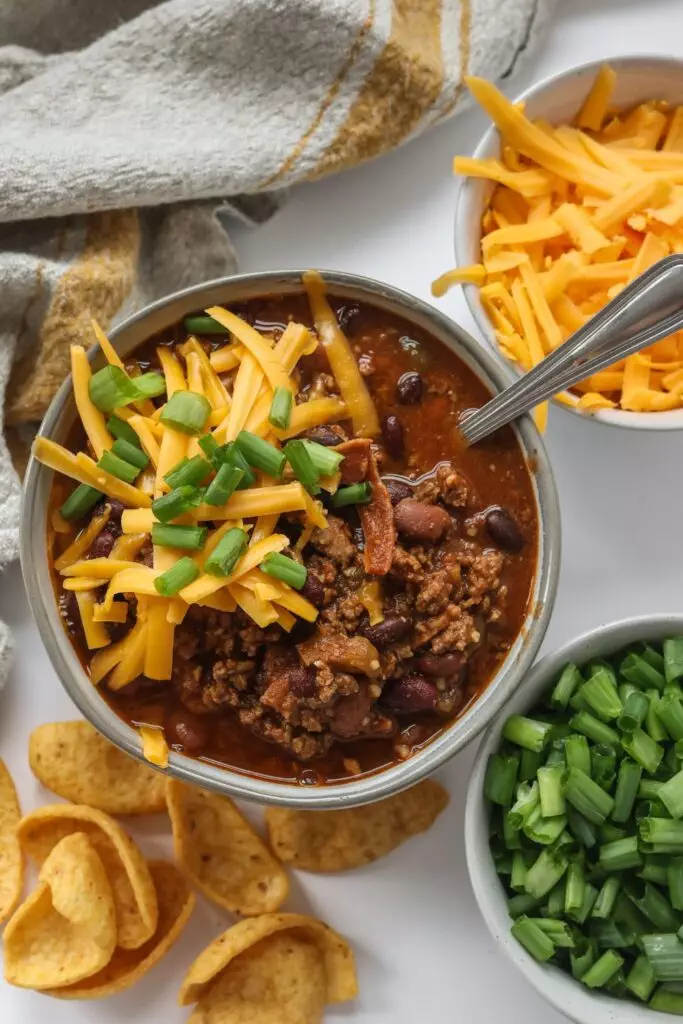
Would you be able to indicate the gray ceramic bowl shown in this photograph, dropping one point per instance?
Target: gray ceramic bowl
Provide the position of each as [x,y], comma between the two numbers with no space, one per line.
[558,988]
[61,416]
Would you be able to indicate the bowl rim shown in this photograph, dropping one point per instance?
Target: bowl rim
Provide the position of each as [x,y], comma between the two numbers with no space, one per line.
[568,996]
[668,420]
[371,787]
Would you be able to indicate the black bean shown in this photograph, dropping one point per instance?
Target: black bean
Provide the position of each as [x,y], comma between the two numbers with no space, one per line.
[410,694]
[409,388]
[187,730]
[503,529]
[301,681]
[313,590]
[389,631]
[347,315]
[392,435]
[102,545]
[398,489]
[421,522]
[329,436]
[443,665]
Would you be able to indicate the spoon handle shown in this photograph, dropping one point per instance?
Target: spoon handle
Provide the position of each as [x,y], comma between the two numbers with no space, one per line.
[649,308]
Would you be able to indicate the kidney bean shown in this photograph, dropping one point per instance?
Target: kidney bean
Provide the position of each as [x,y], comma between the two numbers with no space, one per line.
[301,681]
[421,522]
[389,631]
[409,388]
[102,545]
[328,436]
[443,665]
[187,730]
[392,435]
[398,489]
[313,590]
[412,693]
[503,529]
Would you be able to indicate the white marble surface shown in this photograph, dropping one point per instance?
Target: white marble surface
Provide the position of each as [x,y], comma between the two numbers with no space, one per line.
[423,951]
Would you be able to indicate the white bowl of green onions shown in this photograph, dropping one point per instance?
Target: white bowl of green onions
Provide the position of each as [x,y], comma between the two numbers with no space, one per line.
[574,824]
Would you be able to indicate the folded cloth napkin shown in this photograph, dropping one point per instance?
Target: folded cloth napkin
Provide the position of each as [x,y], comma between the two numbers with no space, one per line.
[129,127]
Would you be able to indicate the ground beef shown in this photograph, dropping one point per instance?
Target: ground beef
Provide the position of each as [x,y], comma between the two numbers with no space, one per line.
[335,541]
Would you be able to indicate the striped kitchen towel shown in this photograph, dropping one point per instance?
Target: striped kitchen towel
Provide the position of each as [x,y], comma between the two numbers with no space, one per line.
[128,125]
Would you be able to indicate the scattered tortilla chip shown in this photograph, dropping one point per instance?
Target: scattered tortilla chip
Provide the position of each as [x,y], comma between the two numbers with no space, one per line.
[340,969]
[76,763]
[134,896]
[281,980]
[222,853]
[11,858]
[341,840]
[176,902]
[66,929]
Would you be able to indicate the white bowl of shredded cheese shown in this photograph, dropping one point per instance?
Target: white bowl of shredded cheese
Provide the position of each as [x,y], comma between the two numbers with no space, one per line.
[650,392]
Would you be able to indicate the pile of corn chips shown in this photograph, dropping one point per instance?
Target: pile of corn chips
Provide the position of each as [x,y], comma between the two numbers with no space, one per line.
[576,212]
[102,915]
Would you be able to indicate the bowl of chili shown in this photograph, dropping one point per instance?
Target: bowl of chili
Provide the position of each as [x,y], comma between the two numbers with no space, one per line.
[310,592]
[595,705]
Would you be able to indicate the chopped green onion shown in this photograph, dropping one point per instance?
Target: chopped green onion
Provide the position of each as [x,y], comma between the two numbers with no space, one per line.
[231,453]
[603,969]
[130,453]
[643,749]
[674,882]
[583,830]
[501,779]
[652,657]
[529,764]
[609,833]
[593,728]
[640,980]
[557,931]
[671,795]
[527,732]
[535,941]
[635,709]
[287,570]
[111,388]
[544,831]
[600,693]
[604,904]
[625,690]
[670,711]
[603,764]
[204,325]
[122,431]
[188,472]
[191,538]
[527,800]
[111,463]
[260,454]
[673,658]
[554,906]
[223,485]
[655,906]
[589,897]
[186,412]
[545,872]
[667,1001]
[79,502]
[149,385]
[550,790]
[301,462]
[585,954]
[176,503]
[178,576]
[566,686]
[620,855]
[649,789]
[209,445]
[587,797]
[521,904]
[628,781]
[518,873]
[325,460]
[511,836]
[639,671]
[608,934]
[654,870]
[354,494]
[664,952]
[280,414]
[575,888]
[577,752]
[662,832]
[227,553]
[653,724]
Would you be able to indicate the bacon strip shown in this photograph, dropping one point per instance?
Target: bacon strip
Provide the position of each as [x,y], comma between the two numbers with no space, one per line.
[377,520]
[352,653]
[356,454]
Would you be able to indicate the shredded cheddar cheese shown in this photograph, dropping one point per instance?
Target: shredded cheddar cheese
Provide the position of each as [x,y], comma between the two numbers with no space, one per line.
[576,213]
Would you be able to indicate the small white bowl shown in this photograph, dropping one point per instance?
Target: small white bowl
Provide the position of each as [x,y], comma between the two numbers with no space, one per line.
[558,99]
[557,987]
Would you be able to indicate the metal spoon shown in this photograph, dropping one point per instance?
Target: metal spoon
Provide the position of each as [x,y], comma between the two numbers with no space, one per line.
[649,308]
